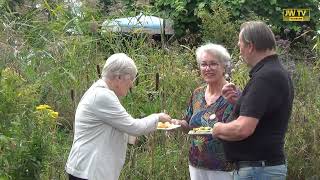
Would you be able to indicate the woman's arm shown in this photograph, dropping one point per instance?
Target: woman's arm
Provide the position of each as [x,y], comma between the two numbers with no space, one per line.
[107,107]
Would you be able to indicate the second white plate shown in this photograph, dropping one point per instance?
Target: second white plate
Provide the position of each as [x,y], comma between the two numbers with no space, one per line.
[173,126]
[199,132]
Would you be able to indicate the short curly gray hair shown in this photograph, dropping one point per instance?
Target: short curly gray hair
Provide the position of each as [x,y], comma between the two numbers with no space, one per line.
[216,50]
[119,64]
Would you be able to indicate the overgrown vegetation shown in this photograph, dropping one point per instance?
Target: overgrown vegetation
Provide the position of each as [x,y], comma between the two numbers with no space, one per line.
[50,56]
[186,17]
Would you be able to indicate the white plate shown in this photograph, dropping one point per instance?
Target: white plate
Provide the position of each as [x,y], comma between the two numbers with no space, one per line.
[172,126]
[200,132]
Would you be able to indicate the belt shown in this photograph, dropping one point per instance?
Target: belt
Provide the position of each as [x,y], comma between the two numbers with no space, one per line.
[230,166]
[243,164]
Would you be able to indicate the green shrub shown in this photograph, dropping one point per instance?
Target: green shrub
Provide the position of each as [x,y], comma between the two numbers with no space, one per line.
[185,19]
[182,14]
[217,26]
[28,134]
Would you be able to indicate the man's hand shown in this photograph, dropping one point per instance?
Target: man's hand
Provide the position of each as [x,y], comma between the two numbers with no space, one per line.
[229,92]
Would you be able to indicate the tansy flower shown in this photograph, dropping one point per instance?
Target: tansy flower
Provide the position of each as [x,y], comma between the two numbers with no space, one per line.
[42,107]
[54,114]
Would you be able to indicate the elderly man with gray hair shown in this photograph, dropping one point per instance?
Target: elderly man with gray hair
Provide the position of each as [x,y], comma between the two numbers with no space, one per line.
[102,124]
[254,141]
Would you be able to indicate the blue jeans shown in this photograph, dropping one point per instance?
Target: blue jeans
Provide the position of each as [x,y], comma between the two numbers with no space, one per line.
[261,173]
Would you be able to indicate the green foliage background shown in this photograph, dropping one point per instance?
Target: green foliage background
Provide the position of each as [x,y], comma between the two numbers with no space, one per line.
[50,55]
[187,20]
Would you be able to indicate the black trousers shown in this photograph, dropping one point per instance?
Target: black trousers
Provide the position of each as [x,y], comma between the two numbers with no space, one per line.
[75,178]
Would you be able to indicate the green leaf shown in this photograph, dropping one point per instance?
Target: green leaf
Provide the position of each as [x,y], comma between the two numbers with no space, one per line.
[4,139]
[1,3]
[236,13]
[201,5]
[3,178]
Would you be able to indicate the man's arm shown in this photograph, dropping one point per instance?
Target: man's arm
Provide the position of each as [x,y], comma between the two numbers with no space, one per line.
[236,130]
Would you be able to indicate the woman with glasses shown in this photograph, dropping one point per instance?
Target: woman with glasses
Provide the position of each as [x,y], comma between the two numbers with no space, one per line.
[102,124]
[206,107]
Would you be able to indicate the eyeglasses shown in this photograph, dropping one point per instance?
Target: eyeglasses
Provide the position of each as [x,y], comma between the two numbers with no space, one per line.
[210,66]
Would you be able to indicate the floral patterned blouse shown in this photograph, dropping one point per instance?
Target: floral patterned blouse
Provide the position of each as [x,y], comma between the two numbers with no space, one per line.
[207,151]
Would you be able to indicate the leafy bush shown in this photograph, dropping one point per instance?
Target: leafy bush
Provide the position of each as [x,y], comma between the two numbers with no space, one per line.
[29,134]
[16,104]
[183,13]
[217,26]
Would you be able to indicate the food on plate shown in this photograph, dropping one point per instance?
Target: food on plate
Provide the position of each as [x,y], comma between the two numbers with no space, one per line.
[202,128]
[164,125]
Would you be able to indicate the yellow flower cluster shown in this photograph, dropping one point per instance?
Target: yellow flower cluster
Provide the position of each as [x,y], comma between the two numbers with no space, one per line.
[43,107]
[52,113]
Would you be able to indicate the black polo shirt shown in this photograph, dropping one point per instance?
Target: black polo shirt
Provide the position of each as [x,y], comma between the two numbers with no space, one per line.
[268,96]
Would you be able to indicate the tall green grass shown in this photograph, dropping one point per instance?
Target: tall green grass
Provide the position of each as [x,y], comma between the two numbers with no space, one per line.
[41,64]
[302,141]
